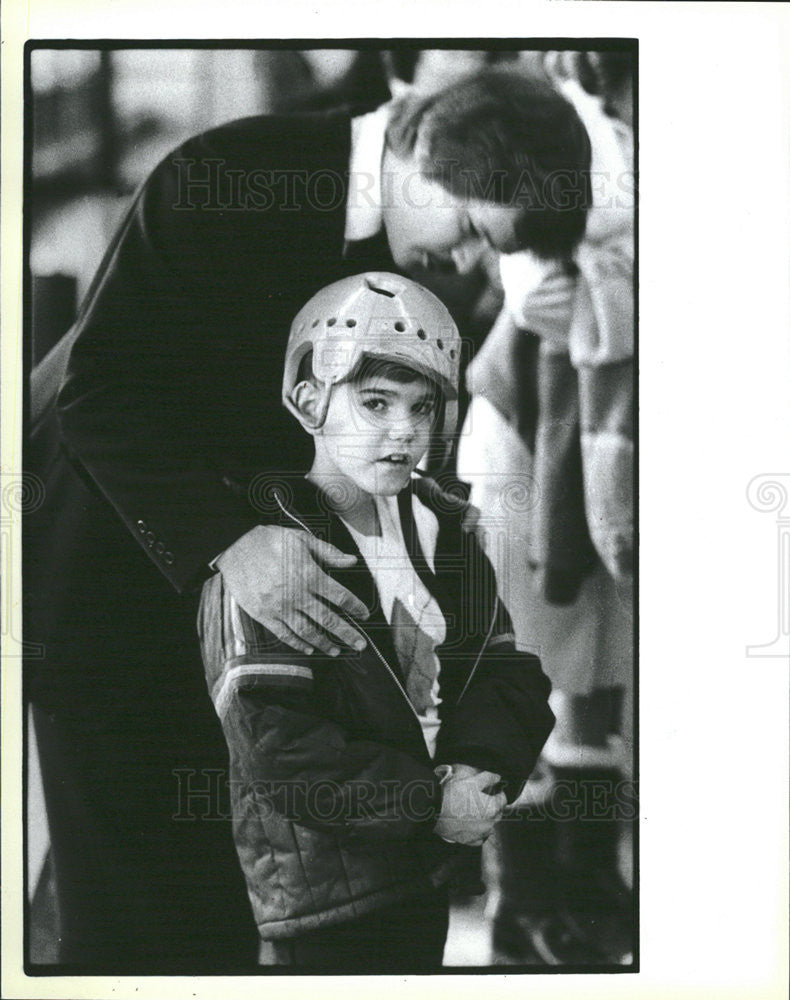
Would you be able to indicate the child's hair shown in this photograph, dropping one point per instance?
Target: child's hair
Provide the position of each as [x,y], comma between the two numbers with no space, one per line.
[509,138]
[372,366]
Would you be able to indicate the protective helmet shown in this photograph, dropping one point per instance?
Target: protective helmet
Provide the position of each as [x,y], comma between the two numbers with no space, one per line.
[380,315]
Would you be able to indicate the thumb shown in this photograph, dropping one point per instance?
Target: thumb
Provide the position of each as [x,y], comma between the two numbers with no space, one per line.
[326,553]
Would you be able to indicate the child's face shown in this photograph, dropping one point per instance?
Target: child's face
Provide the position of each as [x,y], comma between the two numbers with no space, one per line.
[376,431]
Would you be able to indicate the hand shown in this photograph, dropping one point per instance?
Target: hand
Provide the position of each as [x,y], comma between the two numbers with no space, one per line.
[274,574]
[468,812]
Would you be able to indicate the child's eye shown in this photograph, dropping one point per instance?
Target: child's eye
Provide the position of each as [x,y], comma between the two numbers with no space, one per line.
[377,405]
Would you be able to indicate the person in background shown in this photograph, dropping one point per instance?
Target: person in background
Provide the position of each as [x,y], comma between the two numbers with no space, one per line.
[549,455]
[143,444]
[321,79]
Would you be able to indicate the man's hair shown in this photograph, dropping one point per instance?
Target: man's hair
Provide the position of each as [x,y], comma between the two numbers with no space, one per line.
[506,137]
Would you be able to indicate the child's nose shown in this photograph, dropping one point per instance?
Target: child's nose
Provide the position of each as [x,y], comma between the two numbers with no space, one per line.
[403,429]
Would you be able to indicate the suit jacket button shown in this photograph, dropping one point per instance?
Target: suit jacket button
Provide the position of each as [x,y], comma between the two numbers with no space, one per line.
[141,526]
[160,548]
[169,558]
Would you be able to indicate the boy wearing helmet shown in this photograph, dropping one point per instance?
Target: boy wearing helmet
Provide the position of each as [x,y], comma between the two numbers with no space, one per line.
[363,782]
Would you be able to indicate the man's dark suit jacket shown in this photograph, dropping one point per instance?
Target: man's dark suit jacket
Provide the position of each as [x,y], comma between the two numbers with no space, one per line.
[172,394]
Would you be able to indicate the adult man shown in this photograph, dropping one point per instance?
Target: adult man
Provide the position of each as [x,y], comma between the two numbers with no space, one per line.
[148,445]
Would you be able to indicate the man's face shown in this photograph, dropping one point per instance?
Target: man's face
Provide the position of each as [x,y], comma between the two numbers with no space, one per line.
[375,432]
[430,229]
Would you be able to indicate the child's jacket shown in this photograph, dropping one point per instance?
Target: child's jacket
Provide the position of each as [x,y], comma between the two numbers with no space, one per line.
[333,792]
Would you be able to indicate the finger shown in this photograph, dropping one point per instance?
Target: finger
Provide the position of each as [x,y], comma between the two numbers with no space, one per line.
[495,815]
[330,590]
[493,806]
[471,518]
[496,788]
[484,779]
[308,632]
[329,554]
[463,770]
[289,637]
[333,625]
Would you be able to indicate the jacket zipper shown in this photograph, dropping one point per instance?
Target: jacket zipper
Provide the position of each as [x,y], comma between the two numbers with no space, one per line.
[480,654]
[355,623]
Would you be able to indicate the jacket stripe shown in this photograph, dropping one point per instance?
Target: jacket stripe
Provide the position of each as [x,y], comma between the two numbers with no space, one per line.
[508,638]
[232,679]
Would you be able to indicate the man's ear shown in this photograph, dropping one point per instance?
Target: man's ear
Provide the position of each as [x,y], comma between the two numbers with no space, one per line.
[306,398]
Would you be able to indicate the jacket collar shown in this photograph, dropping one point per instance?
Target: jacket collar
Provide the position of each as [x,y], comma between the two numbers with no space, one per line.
[301,504]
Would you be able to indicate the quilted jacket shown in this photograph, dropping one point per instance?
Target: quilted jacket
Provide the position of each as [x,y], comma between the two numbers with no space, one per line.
[333,791]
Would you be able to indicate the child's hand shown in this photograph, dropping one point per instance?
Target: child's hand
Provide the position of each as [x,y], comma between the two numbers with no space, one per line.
[275,575]
[469,811]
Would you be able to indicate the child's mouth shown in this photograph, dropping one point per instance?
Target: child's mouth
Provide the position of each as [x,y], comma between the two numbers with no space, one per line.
[396,459]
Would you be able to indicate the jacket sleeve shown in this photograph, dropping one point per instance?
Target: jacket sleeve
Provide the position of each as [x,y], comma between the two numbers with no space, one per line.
[293,758]
[502,718]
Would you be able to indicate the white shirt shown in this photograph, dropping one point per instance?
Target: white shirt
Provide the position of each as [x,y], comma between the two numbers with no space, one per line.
[363,209]
[418,625]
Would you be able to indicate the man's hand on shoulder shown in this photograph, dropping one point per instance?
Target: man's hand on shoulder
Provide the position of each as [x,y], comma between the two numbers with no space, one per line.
[275,575]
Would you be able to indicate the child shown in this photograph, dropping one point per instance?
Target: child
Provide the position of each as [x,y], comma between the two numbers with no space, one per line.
[362,782]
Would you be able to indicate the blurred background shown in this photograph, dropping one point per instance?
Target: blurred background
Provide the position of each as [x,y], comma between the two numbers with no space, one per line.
[100,121]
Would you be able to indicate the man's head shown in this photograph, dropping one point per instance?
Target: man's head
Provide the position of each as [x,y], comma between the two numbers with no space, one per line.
[498,159]
[371,370]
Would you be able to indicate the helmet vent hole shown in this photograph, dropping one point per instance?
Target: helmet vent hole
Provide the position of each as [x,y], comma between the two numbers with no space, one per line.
[315,323]
[379,290]
[421,334]
[351,322]
[400,327]
[331,321]
[452,353]
[440,344]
